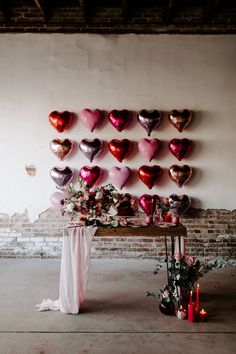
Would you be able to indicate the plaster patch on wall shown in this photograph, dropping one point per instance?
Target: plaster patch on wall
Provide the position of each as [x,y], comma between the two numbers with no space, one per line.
[31,170]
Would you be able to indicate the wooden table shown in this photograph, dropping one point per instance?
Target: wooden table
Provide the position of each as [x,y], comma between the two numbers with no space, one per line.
[179,231]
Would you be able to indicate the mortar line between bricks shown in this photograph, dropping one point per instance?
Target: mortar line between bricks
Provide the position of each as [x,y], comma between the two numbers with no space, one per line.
[118,332]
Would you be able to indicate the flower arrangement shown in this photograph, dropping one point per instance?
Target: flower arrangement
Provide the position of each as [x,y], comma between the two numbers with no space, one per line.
[126,204]
[183,274]
[85,202]
[92,205]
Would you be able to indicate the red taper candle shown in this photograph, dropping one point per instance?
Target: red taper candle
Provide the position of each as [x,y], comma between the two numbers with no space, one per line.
[197,298]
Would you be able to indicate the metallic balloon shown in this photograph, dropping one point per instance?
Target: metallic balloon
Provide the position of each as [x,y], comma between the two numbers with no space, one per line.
[180,119]
[149,119]
[150,175]
[179,204]
[120,148]
[119,119]
[91,118]
[61,148]
[61,120]
[180,148]
[180,174]
[149,148]
[91,148]
[148,203]
[90,174]
[119,176]
[57,200]
[61,176]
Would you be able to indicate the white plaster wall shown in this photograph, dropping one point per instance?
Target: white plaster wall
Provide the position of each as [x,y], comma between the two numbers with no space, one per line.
[41,73]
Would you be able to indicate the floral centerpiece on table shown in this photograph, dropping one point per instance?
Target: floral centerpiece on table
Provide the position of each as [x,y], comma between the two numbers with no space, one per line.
[183,274]
[92,205]
[84,202]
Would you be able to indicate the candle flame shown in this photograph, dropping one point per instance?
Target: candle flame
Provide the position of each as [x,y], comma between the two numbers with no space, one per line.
[198,286]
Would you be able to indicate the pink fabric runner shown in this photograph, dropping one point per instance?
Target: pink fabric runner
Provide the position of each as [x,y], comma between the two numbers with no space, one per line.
[74,271]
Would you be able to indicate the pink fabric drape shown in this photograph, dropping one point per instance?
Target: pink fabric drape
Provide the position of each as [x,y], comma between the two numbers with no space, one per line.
[74,270]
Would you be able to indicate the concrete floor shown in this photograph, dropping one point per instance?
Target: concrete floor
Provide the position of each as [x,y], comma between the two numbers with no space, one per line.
[116,316]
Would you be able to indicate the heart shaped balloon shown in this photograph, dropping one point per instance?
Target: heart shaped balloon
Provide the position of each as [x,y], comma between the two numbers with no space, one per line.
[61,176]
[61,120]
[120,148]
[180,174]
[179,204]
[148,203]
[61,148]
[91,118]
[119,176]
[91,148]
[180,119]
[149,119]
[150,175]
[119,119]
[57,200]
[90,174]
[180,148]
[149,148]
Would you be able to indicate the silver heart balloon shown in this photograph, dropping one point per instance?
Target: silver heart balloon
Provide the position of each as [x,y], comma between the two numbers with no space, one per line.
[179,203]
[149,119]
[61,176]
[91,148]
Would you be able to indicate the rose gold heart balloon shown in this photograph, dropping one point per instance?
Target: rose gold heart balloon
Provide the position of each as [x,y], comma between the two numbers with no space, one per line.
[180,174]
[180,119]
[180,148]
[61,148]
[150,175]
[61,120]
[120,148]
[119,119]
[91,174]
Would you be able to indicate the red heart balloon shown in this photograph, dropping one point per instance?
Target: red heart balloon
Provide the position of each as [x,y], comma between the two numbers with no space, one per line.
[180,119]
[150,175]
[148,203]
[119,119]
[90,174]
[61,120]
[180,174]
[180,147]
[120,148]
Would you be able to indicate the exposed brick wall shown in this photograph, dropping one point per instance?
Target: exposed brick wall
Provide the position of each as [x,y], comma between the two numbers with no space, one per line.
[210,233]
[108,17]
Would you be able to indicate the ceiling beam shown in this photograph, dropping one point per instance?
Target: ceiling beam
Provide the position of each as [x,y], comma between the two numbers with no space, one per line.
[209,9]
[168,11]
[5,9]
[42,8]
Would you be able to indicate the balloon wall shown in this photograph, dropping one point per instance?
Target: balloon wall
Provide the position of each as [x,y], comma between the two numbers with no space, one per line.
[60,93]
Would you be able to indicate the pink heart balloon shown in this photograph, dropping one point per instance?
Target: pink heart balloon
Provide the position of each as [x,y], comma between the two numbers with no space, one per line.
[119,119]
[91,119]
[149,148]
[90,174]
[148,203]
[119,176]
[57,200]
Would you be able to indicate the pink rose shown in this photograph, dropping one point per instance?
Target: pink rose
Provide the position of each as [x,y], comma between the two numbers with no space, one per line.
[165,294]
[190,261]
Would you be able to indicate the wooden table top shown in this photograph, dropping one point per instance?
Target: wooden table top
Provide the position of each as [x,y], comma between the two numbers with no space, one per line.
[150,231]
